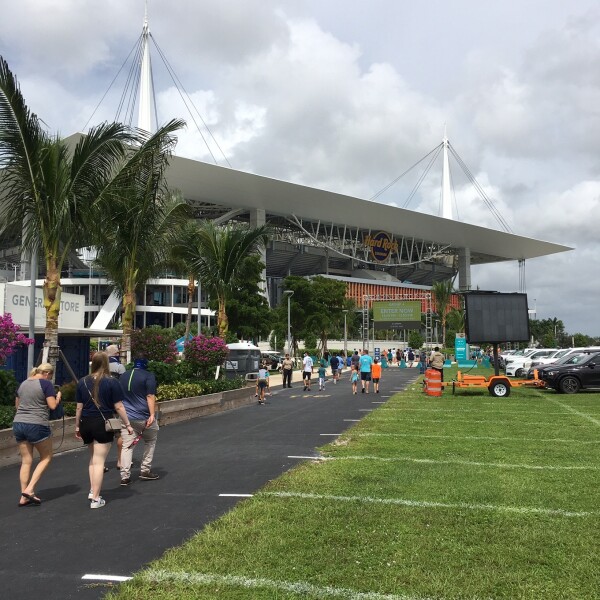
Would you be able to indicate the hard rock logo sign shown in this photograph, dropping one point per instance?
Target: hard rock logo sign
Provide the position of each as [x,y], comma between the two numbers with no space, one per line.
[381,245]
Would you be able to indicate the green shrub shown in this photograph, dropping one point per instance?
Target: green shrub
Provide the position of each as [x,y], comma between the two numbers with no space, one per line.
[154,344]
[8,388]
[7,414]
[165,373]
[199,388]
[67,391]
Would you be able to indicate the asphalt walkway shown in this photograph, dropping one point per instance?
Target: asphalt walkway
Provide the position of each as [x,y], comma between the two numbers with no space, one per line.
[47,551]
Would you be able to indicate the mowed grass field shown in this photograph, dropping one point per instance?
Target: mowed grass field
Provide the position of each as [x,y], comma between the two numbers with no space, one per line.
[463,496]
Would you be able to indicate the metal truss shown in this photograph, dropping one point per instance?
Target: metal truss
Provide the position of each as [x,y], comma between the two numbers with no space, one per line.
[368,299]
[349,242]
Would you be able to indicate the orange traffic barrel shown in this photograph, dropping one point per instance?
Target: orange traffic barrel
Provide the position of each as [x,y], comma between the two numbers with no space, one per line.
[433,382]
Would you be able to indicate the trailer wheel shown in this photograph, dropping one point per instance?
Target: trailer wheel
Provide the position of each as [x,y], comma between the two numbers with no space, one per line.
[500,389]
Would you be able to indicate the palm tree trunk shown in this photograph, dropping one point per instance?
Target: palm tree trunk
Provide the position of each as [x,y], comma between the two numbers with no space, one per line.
[52,293]
[222,320]
[129,303]
[188,319]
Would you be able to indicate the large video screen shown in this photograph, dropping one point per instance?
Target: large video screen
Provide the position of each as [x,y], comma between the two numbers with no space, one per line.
[494,317]
[402,314]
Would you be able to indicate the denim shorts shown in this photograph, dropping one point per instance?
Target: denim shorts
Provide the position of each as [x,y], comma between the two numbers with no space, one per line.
[28,432]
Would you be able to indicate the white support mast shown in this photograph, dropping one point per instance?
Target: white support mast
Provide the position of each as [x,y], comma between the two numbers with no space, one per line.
[146,92]
[446,193]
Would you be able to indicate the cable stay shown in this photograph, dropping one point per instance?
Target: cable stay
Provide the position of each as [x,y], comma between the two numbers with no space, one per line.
[432,156]
[129,97]
[389,185]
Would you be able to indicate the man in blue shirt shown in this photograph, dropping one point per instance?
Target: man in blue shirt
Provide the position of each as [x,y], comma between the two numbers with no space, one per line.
[139,400]
[365,370]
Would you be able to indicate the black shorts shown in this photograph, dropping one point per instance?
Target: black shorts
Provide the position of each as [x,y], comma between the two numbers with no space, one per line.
[375,379]
[364,376]
[307,374]
[93,429]
[262,384]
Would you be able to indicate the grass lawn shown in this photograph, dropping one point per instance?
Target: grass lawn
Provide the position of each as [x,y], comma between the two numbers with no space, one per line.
[463,496]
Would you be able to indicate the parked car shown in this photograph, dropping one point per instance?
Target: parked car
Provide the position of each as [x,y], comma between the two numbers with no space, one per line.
[579,371]
[560,358]
[517,365]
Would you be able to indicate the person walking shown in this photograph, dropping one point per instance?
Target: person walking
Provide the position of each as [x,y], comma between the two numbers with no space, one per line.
[262,383]
[307,369]
[365,370]
[355,361]
[376,374]
[354,377]
[98,396]
[287,368]
[139,399]
[322,373]
[116,370]
[334,364]
[31,428]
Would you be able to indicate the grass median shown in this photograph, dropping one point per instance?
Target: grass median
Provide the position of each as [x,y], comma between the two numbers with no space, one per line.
[463,496]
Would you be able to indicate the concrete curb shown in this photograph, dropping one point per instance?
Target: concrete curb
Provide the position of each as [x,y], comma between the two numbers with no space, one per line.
[172,411]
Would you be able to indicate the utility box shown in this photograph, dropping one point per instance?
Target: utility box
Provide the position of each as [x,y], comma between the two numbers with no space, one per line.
[243,358]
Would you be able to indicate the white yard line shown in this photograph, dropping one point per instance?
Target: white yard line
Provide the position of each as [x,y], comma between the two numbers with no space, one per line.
[524,510]
[452,421]
[105,577]
[301,588]
[469,463]
[236,495]
[477,437]
[576,412]
[469,410]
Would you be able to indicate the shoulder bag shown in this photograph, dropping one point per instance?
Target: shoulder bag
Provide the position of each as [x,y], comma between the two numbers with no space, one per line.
[112,424]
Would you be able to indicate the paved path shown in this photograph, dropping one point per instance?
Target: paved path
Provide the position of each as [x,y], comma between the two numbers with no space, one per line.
[45,551]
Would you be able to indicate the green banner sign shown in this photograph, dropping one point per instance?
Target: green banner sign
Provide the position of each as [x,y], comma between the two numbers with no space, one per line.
[405,314]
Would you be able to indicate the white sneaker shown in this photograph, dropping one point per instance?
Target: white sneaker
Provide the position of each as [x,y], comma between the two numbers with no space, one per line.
[91,495]
[98,503]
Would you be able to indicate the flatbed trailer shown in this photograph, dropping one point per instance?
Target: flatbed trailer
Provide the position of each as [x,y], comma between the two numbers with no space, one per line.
[497,385]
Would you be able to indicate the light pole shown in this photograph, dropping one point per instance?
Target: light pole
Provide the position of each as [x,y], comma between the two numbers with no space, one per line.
[345,335]
[289,294]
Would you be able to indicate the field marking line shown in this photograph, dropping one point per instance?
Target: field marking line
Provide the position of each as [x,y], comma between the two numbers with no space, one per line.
[302,588]
[236,495]
[352,420]
[105,577]
[365,410]
[576,412]
[311,457]
[477,437]
[524,510]
[479,421]
[329,434]
[468,410]
[468,463]
[378,402]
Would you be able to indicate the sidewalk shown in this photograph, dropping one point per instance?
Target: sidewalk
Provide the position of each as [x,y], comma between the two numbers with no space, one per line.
[206,465]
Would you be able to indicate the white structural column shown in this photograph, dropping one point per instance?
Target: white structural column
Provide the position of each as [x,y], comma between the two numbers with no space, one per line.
[258,217]
[464,269]
[146,98]
[446,192]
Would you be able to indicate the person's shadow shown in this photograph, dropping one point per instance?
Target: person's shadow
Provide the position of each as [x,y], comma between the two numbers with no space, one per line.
[59,492]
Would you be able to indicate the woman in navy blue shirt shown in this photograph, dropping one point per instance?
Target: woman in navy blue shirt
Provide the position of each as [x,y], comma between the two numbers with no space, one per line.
[98,396]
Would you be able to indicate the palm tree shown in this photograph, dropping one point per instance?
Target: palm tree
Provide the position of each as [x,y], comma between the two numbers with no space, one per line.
[136,221]
[217,256]
[48,189]
[185,238]
[442,297]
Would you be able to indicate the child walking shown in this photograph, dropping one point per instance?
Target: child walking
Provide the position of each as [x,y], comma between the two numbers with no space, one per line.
[376,374]
[354,378]
[321,377]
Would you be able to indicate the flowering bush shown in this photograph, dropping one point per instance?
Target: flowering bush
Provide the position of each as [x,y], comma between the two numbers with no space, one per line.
[153,344]
[203,354]
[10,337]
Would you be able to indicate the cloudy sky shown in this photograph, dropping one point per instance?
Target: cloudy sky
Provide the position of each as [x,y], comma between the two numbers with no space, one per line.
[346,95]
